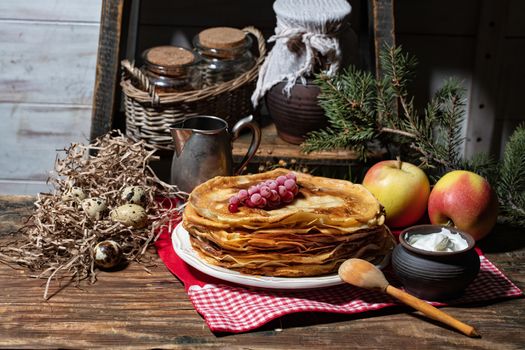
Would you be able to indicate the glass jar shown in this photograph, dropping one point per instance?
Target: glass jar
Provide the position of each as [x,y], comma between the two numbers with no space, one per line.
[172,69]
[225,54]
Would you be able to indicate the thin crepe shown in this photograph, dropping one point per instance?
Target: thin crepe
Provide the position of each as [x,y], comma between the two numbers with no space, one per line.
[328,222]
[321,201]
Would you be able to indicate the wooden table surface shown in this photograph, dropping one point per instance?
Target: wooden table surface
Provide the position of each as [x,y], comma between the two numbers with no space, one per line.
[135,309]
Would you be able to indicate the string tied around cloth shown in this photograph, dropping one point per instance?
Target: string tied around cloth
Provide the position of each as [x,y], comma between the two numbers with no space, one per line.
[326,44]
[303,47]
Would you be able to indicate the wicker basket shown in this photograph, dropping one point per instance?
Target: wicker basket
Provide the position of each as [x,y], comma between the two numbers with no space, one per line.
[149,114]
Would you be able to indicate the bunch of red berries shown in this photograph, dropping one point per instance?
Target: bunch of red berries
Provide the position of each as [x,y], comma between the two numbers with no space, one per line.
[268,194]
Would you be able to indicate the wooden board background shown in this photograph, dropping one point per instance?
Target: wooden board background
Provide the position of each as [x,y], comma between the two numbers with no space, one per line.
[47,66]
[480,42]
[51,10]
[48,57]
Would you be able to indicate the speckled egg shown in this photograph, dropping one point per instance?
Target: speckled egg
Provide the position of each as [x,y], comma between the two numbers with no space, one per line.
[134,195]
[94,207]
[76,194]
[107,254]
[130,215]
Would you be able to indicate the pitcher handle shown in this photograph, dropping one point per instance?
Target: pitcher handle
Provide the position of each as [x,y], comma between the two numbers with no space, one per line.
[249,123]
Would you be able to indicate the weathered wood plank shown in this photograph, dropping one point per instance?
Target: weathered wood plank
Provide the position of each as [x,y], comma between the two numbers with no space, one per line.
[14,210]
[510,95]
[23,187]
[108,62]
[445,17]
[515,27]
[434,65]
[51,10]
[47,62]
[31,134]
[488,63]
[510,78]
[135,309]
[383,26]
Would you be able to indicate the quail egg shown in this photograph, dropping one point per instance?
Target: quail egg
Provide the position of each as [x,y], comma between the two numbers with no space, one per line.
[75,194]
[130,215]
[94,207]
[134,195]
[107,254]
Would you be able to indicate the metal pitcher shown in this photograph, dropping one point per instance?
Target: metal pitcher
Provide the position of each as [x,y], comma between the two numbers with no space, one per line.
[203,149]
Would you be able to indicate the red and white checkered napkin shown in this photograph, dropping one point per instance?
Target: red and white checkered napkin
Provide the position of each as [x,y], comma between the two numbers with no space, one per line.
[230,308]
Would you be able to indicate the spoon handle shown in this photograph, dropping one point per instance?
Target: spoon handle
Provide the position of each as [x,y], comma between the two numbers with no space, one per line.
[431,311]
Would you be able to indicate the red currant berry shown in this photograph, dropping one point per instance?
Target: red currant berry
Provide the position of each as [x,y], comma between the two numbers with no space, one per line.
[253,190]
[243,194]
[289,184]
[280,180]
[233,208]
[288,197]
[265,191]
[291,176]
[256,198]
[234,200]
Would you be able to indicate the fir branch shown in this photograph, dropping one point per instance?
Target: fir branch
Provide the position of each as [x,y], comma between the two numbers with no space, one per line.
[397,132]
[484,165]
[451,105]
[362,109]
[349,102]
[437,135]
[398,67]
[398,70]
[511,183]
[439,130]
[385,103]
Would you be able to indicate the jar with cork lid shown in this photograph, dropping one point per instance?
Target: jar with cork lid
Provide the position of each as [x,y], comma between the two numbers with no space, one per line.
[225,54]
[172,69]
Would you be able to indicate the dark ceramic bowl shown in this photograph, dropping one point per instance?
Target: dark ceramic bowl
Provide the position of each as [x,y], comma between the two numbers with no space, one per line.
[434,275]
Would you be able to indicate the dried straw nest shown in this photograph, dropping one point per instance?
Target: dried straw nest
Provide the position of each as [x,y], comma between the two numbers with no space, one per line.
[58,240]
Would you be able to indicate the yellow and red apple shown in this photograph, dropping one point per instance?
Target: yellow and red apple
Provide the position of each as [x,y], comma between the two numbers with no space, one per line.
[465,200]
[402,188]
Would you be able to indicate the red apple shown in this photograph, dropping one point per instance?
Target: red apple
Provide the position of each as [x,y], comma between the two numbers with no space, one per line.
[466,200]
[402,188]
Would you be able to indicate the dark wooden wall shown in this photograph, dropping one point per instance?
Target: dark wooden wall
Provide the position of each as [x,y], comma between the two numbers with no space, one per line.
[176,22]
[480,42]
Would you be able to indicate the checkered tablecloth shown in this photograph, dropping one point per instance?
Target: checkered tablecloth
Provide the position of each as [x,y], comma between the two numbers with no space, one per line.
[231,308]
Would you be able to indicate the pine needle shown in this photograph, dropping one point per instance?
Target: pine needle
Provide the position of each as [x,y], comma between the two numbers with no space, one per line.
[511,183]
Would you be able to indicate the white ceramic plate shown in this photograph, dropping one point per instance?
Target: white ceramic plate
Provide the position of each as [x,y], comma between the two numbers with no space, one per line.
[182,245]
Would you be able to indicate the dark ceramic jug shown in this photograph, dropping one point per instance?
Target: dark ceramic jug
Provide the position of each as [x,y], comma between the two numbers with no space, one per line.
[434,275]
[298,114]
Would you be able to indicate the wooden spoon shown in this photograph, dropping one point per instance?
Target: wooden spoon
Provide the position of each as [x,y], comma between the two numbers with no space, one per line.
[361,273]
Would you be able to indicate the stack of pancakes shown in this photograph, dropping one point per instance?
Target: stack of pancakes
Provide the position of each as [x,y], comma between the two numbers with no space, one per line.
[328,222]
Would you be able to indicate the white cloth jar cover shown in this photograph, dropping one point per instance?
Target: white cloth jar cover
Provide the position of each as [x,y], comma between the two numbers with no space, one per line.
[305,29]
